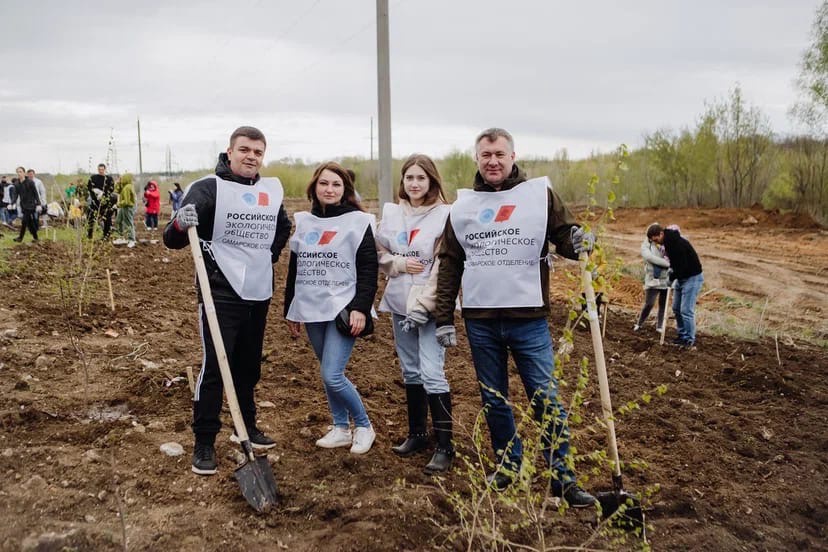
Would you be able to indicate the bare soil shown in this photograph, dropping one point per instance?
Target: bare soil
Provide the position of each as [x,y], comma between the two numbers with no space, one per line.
[738,444]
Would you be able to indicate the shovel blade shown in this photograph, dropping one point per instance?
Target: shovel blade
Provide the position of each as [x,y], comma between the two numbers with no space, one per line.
[258,486]
[623,509]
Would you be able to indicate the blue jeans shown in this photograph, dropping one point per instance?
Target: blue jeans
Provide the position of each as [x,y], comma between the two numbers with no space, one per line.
[333,351]
[684,306]
[422,358]
[531,347]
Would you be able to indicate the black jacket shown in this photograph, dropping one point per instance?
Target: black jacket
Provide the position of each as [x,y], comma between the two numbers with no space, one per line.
[202,194]
[367,266]
[683,258]
[559,223]
[27,192]
[103,183]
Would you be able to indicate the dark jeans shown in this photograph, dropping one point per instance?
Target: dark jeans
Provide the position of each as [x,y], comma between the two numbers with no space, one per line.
[529,341]
[105,213]
[151,220]
[684,305]
[650,296]
[29,220]
[242,330]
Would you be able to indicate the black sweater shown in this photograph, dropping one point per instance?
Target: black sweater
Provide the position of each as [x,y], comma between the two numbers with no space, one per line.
[202,194]
[683,258]
[367,266]
[27,192]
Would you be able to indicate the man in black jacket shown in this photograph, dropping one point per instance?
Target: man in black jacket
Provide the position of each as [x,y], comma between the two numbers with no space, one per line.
[686,271]
[242,228]
[100,187]
[483,248]
[29,201]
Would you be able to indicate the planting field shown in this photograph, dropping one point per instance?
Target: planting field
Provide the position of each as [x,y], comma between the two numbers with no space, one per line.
[738,444]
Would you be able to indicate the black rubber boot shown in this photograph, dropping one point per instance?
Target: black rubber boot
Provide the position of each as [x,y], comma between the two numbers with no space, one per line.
[417,439]
[441,416]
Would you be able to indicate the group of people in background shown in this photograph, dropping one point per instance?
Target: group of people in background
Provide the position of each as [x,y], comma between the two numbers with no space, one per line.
[24,197]
[428,251]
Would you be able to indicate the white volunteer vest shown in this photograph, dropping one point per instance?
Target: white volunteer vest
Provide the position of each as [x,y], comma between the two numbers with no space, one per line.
[326,264]
[502,234]
[243,232]
[410,236]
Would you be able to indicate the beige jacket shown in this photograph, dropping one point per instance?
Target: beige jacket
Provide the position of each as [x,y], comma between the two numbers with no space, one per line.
[422,297]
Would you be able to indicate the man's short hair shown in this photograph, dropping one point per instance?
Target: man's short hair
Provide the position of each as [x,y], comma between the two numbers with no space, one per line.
[31,171]
[248,132]
[654,230]
[101,165]
[492,134]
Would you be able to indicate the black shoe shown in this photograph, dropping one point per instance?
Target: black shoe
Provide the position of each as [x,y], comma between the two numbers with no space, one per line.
[257,438]
[204,459]
[417,406]
[18,240]
[440,404]
[440,462]
[575,496]
[412,445]
[498,481]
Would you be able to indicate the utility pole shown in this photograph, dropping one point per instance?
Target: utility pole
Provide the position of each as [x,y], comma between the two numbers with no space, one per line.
[384,100]
[371,155]
[140,155]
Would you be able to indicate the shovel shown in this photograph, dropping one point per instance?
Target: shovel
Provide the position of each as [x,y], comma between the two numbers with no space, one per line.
[666,315]
[255,476]
[620,507]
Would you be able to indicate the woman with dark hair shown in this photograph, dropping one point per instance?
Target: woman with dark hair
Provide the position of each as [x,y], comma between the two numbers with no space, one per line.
[176,195]
[331,284]
[152,201]
[656,280]
[408,238]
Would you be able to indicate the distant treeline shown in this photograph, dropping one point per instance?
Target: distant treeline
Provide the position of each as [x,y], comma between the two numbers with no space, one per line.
[730,158]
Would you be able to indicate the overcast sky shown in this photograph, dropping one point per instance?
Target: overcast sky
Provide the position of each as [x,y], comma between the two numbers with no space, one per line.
[584,76]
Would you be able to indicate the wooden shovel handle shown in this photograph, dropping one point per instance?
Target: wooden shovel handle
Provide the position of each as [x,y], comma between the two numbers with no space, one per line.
[215,333]
[600,364]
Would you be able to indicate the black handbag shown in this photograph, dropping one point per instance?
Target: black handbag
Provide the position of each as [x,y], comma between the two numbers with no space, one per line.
[343,323]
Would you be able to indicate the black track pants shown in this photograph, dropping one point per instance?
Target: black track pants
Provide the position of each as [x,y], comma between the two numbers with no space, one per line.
[242,329]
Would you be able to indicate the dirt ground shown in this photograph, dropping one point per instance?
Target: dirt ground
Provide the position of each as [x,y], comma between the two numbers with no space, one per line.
[738,444]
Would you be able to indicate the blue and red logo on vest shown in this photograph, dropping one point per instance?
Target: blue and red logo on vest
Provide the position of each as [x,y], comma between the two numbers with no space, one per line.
[503,213]
[263,200]
[405,238]
[314,237]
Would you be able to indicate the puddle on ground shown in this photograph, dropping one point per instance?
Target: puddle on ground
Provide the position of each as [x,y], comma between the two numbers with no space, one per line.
[108,413]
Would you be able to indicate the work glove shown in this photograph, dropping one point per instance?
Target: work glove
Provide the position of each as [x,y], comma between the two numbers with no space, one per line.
[186,217]
[414,319]
[446,336]
[671,277]
[38,209]
[582,241]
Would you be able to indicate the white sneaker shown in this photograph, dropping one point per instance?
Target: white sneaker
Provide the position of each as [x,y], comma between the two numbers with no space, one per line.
[119,241]
[363,439]
[659,330]
[131,244]
[336,437]
[636,328]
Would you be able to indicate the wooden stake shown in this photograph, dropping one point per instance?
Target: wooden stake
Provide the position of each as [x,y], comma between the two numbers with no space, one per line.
[606,315]
[111,295]
[190,379]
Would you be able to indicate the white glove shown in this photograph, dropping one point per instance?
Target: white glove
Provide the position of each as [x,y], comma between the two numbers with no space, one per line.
[446,336]
[582,241]
[38,209]
[185,217]
[414,319]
